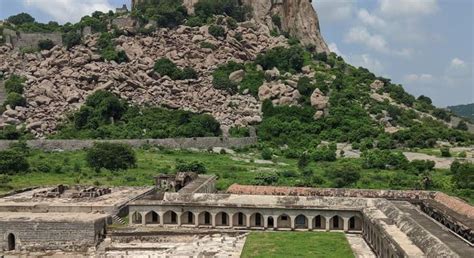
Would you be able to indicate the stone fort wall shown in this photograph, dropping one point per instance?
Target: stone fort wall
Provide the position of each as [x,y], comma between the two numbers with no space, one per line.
[185,143]
[23,39]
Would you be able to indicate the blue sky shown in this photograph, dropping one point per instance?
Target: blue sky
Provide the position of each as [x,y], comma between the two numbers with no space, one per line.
[426,45]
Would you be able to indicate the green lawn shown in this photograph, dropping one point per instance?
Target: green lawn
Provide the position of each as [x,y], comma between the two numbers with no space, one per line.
[297,244]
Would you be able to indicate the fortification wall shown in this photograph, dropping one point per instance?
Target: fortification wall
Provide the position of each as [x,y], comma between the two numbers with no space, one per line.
[198,143]
[23,39]
[31,235]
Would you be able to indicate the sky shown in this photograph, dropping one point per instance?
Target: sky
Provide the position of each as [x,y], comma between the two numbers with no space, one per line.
[425,45]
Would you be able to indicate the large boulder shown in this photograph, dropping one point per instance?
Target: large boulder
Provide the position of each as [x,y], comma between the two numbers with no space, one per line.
[237,76]
[318,100]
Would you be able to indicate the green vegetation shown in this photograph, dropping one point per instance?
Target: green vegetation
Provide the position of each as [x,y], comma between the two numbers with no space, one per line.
[105,116]
[71,39]
[166,13]
[220,77]
[297,244]
[12,162]
[464,111]
[45,44]
[209,45]
[111,156]
[15,84]
[166,67]
[20,19]
[217,31]
[205,9]
[108,50]
[285,59]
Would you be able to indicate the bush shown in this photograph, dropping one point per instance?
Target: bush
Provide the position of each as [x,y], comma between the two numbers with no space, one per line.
[206,44]
[445,152]
[462,174]
[111,156]
[12,162]
[383,159]
[343,176]
[216,31]
[285,59]
[71,39]
[20,19]
[193,166]
[231,23]
[208,8]
[239,132]
[267,154]
[422,165]
[14,99]
[265,179]
[276,19]
[167,13]
[324,154]
[194,21]
[303,161]
[15,84]
[166,67]
[46,44]
[462,126]
[221,77]
[111,54]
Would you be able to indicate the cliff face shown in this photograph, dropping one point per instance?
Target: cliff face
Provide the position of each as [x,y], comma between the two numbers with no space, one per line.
[298,17]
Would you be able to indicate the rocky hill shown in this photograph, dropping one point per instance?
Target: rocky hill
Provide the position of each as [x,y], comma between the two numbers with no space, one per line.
[271,71]
[466,111]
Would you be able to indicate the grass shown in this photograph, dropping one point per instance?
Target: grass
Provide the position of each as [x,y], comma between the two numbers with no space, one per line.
[69,167]
[297,244]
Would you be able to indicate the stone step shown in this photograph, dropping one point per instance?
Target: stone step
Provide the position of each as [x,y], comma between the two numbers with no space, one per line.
[116,219]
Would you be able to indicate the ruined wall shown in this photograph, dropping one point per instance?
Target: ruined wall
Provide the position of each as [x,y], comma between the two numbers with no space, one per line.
[32,235]
[203,184]
[185,143]
[23,39]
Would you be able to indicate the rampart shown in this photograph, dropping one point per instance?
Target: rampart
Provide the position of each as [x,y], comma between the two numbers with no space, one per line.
[24,39]
[176,143]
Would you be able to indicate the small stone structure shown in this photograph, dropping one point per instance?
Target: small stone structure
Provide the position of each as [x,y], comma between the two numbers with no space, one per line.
[122,10]
[186,182]
[24,39]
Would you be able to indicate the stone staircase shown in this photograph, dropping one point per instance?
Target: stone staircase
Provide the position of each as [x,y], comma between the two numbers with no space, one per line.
[117,220]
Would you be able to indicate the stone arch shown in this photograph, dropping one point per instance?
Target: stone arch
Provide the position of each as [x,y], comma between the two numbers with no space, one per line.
[239,220]
[284,221]
[222,219]
[205,218]
[136,218]
[301,221]
[11,242]
[256,220]
[170,217]
[152,218]
[188,218]
[355,223]
[336,223]
[270,222]
[319,222]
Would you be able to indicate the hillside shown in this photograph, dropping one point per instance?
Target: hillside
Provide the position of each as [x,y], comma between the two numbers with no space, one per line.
[243,72]
[466,111]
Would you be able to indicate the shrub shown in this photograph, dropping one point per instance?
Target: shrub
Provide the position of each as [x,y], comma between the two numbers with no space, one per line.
[193,166]
[46,44]
[166,67]
[111,156]
[208,8]
[422,165]
[206,44]
[285,59]
[382,159]
[288,173]
[14,99]
[194,21]
[111,54]
[324,154]
[221,77]
[267,154]
[71,39]
[303,160]
[239,131]
[188,73]
[442,114]
[21,18]
[343,176]
[4,180]
[231,23]
[462,174]
[276,19]
[445,152]
[12,162]
[216,31]
[265,179]
[15,84]
[462,126]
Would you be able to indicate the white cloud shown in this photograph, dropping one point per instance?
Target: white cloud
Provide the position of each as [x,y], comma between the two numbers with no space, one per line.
[370,19]
[69,10]
[419,78]
[333,48]
[362,36]
[367,61]
[334,11]
[397,8]
[457,63]
[458,69]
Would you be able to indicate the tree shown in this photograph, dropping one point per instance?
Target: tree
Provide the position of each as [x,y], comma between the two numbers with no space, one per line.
[216,31]
[343,176]
[45,44]
[111,156]
[445,152]
[267,154]
[12,162]
[21,18]
[14,99]
[463,176]
[462,126]
[71,39]
[193,166]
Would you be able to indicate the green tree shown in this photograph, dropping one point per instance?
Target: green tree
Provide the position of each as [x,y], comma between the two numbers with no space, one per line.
[216,31]
[463,176]
[343,176]
[193,166]
[12,162]
[21,18]
[111,156]
[14,99]
[45,44]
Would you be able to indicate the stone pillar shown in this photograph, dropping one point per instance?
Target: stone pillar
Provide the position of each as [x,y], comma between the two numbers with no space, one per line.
[213,220]
[196,219]
[292,222]
[231,220]
[130,218]
[162,218]
[247,217]
[265,222]
[143,218]
[328,224]
[178,218]
[310,223]
[345,222]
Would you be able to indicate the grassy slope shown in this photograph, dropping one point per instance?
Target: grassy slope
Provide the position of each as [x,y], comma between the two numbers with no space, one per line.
[297,244]
[70,168]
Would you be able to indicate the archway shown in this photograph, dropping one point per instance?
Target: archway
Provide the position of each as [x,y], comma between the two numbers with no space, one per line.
[152,218]
[256,220]
[319,222]
[355,223]
[336,223]
[11,242]
[301,221]
[284,221]
[170,217]
[222,219]
[205,219]
[270,222]
[136,218]
[239,220]
[187,218]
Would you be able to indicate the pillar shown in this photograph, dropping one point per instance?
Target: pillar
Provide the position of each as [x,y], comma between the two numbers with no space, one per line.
[265,222]
[231,220]
[130,218]
[310,223]
[162,219]
[247,218]
[292,222]
[213,219]
[143,218]
[345,222]
[328,228]
[178,219]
